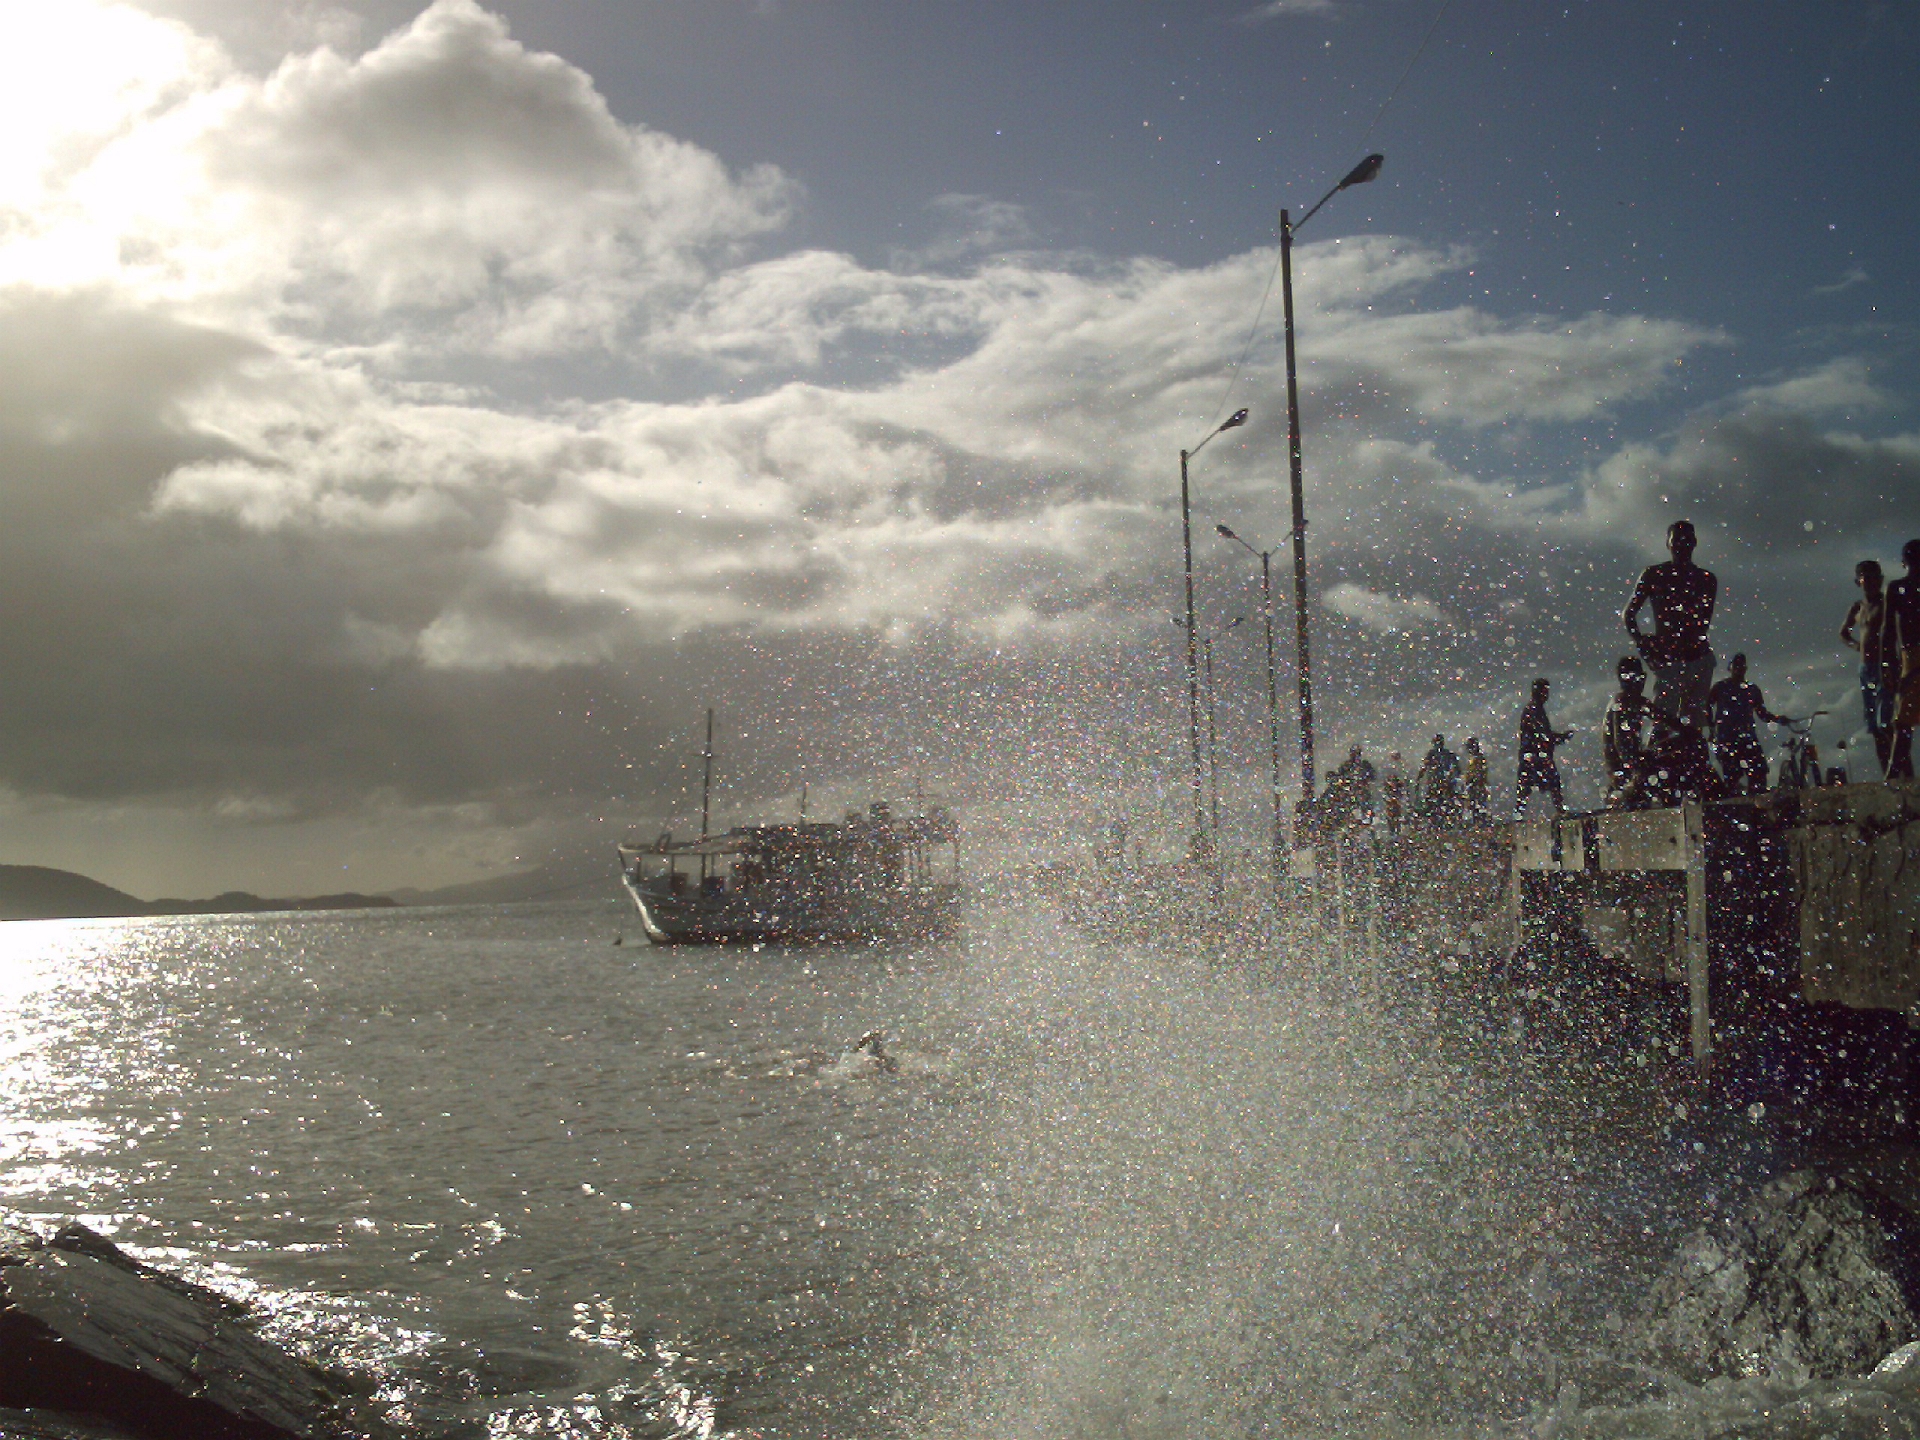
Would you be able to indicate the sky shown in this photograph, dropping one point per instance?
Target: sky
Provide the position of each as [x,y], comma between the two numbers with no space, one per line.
[414,417]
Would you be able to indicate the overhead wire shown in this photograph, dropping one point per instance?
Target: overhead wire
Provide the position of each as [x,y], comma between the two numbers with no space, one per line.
[1253,332]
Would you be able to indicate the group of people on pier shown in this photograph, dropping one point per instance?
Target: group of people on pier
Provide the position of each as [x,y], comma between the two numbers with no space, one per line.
[1446,792]
[1657,750]
[1693,738]
[1884,626]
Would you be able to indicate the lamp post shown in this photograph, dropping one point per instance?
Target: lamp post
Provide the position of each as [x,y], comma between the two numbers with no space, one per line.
[1213,728]
[1275,856]
[1366,170]
[1239,417]
[1213,742]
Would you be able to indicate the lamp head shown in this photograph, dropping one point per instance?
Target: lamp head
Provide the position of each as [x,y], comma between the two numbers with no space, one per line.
[1366,170]
[1239,417]
[1225,532]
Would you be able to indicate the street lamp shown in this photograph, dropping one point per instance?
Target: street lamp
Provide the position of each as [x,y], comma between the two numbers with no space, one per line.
[1239,417]
[1213,737]
[1273,698]
[1366,170]
[1213,729]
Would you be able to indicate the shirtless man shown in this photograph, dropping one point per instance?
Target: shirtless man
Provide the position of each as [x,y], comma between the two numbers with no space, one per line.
[1878,683]
[1900,660]
[1626,738]
[1682,596]
[1736,704]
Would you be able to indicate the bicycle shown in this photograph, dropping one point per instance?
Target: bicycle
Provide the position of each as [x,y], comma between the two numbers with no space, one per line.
[1800,762]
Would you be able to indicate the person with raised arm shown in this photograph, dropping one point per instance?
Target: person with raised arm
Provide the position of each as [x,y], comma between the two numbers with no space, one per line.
[1538,741]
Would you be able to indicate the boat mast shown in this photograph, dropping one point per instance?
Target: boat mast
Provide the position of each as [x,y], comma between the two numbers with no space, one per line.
[706,794]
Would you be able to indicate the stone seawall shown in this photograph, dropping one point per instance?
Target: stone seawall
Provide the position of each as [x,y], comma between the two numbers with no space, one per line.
[1812,892]
[1854,853]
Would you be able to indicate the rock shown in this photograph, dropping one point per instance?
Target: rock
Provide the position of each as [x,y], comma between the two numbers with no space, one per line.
[78,1239]
[1883,1406]
[1900,1370]
[88,1332]
[17,1243]
[1814,1277]
[39,1425]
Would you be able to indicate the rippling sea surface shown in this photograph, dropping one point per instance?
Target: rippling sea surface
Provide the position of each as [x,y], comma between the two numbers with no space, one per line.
[524,1181]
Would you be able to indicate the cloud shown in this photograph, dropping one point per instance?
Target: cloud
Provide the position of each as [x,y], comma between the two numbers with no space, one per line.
[983,489]
[1856,275]
[1280,9]
[314,524]
[445,192]
[1760,469]
[1388,614]
[972,226]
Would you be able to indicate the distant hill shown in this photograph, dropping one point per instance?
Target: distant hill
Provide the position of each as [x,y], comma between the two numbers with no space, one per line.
[35,892]
[570,879]
[245,902]
[38,892]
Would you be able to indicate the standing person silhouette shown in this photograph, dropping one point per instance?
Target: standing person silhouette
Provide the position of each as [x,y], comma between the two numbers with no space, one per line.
[1900,659]
[1538,741]
[1736,703]
[1682,597]
[1393,787]
[1862,631]
[1438,785]
[1474,777]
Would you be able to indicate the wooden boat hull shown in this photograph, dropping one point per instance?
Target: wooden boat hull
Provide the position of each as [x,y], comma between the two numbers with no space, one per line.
[735,919]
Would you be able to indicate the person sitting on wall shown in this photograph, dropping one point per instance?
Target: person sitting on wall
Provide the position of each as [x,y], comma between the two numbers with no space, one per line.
[1626,738]
[1682,597]
[1734,704]
[1679,767]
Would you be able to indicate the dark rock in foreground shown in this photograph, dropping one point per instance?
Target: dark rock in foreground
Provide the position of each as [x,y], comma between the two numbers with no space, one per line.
[90,1337]
[1884,1405]
[38,1425]
[1814,1277]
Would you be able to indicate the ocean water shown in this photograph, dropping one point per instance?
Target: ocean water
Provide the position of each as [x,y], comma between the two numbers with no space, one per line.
[519,1180]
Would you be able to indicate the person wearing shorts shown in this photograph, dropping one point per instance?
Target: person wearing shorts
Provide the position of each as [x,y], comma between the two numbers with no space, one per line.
[1900,656]
[1681,595]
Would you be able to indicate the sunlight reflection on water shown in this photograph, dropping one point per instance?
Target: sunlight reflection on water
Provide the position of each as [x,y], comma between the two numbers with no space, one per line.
[545,1186]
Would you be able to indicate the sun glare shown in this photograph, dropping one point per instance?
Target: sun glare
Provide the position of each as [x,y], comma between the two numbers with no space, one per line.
[75,75]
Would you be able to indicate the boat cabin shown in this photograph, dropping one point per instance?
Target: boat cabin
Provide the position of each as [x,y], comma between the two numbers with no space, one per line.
[862,856]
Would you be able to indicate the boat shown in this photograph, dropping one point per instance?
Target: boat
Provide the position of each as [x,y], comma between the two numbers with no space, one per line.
[872,877]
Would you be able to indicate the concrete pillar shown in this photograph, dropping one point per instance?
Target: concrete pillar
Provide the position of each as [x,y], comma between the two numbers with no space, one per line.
[1699,1010]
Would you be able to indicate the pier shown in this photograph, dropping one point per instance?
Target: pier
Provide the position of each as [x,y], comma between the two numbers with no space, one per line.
[1751,907]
